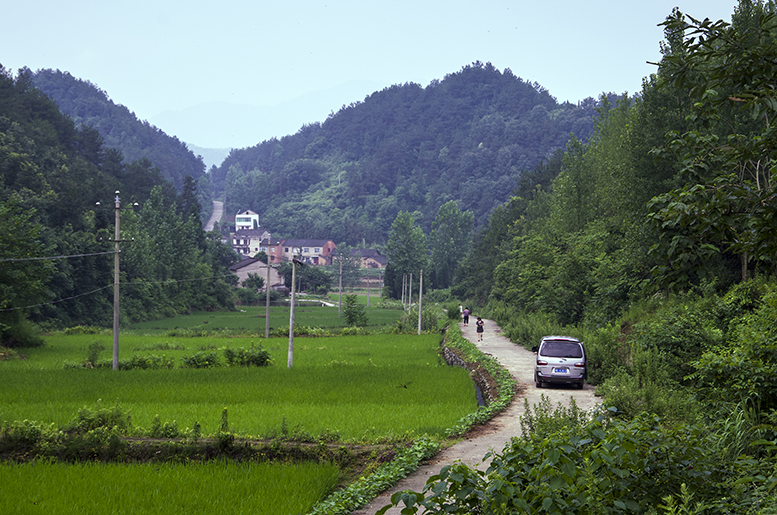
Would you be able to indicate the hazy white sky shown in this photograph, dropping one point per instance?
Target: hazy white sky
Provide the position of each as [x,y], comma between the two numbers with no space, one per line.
[163,56]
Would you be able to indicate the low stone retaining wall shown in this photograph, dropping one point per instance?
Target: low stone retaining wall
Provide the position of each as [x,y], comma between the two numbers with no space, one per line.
[483,380]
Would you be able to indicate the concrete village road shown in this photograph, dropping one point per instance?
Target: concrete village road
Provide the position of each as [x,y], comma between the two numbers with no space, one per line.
[497,432]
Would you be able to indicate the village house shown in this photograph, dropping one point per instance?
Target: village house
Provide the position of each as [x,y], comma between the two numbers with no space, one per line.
[314,252]
[254,266]
[249,241]
[249,238]
[370,258]
[246,220]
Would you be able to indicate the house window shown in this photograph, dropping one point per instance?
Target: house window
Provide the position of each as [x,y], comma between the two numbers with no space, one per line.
[286,250]
[306,250]
[317,250]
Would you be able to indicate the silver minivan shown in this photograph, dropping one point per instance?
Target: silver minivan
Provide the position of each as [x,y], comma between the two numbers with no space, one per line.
[560,359]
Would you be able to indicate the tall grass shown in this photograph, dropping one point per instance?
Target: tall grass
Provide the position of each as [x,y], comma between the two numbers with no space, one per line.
[164,488]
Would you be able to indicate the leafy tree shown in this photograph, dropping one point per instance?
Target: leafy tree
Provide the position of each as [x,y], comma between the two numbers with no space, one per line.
[726,203]
[253,282]
[346,264]
[450,241]
[406,251]
[22,281]
[355,314]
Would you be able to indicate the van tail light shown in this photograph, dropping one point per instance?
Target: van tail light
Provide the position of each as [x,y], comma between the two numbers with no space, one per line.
[580,365]
[542,363]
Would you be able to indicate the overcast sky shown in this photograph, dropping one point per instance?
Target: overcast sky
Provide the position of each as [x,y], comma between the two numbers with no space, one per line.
[164,57]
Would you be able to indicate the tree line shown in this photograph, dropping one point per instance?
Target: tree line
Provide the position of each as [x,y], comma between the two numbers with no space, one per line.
[52,174]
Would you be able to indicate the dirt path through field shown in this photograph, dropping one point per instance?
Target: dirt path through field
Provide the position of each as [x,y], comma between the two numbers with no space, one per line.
[496,433]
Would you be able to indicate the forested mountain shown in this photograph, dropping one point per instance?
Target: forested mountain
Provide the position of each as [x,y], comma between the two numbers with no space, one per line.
[467,137]
[87,104]
[56,255]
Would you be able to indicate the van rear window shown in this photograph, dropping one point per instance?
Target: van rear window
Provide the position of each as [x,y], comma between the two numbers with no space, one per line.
[557,349]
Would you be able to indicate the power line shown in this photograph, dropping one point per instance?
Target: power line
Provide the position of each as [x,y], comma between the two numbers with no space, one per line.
[58,301]
[57,257]
[110,285]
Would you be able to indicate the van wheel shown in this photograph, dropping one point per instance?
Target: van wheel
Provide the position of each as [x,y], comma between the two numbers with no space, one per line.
[537,382]
[580,385]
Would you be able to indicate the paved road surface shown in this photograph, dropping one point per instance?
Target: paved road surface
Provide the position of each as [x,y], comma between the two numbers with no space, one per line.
[218,212]
[499,430]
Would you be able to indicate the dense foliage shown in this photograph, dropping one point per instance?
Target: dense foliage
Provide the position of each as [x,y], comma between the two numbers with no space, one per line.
[466,138]
[52,173]
[653,242]
[118,127]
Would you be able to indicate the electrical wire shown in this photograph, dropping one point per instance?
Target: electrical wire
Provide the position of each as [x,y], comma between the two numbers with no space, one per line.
[56,257]
[130,284]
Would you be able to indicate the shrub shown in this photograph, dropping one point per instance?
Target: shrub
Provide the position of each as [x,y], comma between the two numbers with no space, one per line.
[89,419]
[748,367]
[201,359]
[682,332]
[607,353]
[84,329]
[166,430]
[615,467]
[252,357]
[355,314]
[453,312]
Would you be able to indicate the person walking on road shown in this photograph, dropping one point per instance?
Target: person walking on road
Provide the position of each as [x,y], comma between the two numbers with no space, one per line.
[465,313]
[480,328]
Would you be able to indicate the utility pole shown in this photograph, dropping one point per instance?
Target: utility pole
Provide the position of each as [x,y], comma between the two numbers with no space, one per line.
[340,288]
[116,250]
[420,293]
[410,292]
[267,302]
[294,263]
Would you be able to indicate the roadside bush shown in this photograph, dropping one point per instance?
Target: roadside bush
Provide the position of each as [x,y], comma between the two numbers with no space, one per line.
[607,353]
[747,369]
[615,467]
[648,386]
[526,328]
[452,310]
[683,332]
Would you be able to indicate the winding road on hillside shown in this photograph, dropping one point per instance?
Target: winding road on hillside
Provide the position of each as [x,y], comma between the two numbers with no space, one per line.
[497,432]
[218,212]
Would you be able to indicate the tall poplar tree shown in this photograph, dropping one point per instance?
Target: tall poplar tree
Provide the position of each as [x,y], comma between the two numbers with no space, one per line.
[449,241]
[406,251]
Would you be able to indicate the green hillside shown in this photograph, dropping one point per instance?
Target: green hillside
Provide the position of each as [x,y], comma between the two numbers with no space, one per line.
[119,128]
[467,137]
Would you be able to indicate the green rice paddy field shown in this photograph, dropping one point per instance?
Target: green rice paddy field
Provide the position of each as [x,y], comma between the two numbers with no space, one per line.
[160,489]
[362,388]
[252,318]
[357,389]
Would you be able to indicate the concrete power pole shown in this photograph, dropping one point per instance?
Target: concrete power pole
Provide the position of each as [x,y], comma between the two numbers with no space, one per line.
[116,250]
[267,302]
[420,294]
